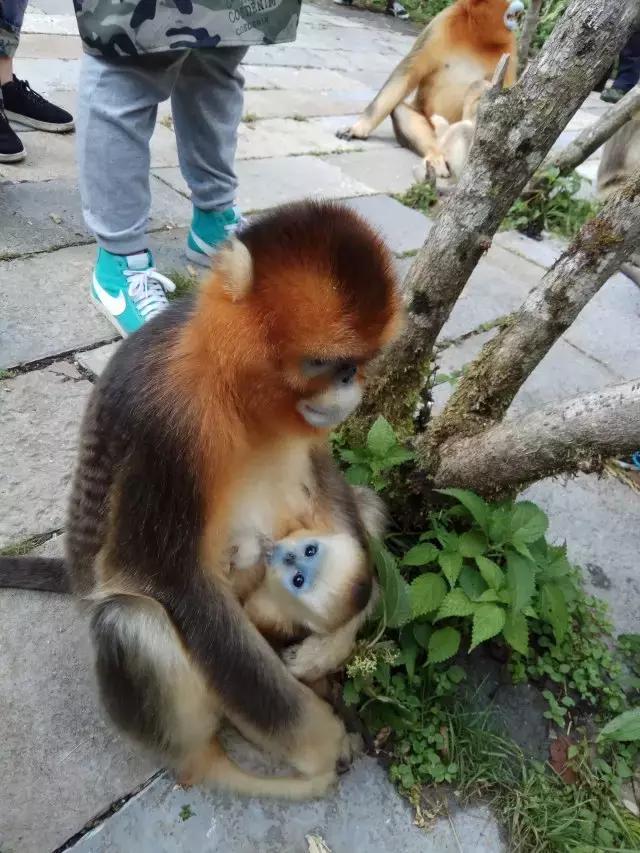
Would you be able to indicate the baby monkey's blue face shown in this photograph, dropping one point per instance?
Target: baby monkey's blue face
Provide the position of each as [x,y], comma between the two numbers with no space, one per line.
[297,563]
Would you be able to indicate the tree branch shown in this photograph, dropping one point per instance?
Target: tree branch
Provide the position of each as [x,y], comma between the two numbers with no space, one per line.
[491,382]
[578,435]
[516,128]
[593,137]
[528,32]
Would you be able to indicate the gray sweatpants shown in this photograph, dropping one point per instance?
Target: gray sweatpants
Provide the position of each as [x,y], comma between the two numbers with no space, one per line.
[118,104]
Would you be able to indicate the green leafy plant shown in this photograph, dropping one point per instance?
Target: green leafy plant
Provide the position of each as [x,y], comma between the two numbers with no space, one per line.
[421,196]
[552,11]
[370,465]
[550,204]
[481,574]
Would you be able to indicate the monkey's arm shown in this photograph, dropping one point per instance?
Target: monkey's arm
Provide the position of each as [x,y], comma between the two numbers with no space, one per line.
[421,61]
[322,654]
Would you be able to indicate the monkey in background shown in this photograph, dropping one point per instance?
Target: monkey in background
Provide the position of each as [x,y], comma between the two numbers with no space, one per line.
[620,159]
[198,439]
[459,47]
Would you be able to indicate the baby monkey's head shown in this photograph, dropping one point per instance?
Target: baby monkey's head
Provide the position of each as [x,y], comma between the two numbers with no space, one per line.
[321,580]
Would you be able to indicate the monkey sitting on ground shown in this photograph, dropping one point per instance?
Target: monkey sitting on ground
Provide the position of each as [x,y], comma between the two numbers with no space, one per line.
[198,437]
[620,159]
[460,46]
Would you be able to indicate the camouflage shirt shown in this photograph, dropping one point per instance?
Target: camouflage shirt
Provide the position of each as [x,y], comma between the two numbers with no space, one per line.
[114,28]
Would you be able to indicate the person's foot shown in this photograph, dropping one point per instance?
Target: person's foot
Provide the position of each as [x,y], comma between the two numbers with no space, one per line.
[11,148]
[129,290]
[22,104]
[209,229]
[612,95]
[396,10]
[343,2]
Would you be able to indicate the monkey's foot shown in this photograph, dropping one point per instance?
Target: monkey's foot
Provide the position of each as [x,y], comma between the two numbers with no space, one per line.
[352,747]
[438,164]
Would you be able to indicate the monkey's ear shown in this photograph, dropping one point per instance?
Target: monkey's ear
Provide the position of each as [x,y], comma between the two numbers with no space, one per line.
[234,266]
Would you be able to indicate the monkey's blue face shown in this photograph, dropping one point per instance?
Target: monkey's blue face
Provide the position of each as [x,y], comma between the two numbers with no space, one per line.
[297,563]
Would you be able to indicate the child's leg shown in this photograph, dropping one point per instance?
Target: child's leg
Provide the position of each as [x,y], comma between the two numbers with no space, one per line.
[629,69]
[117,108]
[206,104]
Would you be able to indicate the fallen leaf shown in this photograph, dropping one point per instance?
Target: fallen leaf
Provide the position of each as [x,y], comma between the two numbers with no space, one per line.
[315,844]
[559,760]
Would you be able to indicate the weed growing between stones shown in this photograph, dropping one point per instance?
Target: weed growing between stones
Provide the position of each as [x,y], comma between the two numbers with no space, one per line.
[483,576]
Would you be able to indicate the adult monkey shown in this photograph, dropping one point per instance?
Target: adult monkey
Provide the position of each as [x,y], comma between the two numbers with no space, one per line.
[197,439]
[460,46]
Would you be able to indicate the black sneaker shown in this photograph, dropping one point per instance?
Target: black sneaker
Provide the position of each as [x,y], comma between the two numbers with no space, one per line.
[11,149]
[22,104]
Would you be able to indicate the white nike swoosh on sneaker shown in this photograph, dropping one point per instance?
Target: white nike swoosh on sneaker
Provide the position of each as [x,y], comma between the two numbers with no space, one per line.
[205,248]
[116,305]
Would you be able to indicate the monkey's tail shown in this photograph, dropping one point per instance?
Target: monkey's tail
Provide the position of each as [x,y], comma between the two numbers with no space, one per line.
[45,574]
[223,773]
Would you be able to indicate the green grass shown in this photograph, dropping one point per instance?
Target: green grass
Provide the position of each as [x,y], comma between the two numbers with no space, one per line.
[249,118]
[421,196]
[184,281]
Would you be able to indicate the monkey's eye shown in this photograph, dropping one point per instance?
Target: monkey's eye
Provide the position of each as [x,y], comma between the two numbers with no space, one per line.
[298,580]
[311,551]
[315,366]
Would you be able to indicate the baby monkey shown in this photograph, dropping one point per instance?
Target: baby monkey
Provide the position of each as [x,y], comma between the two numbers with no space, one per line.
[314,589]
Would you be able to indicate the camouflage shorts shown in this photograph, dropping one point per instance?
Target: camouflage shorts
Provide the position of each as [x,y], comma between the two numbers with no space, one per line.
[11,16]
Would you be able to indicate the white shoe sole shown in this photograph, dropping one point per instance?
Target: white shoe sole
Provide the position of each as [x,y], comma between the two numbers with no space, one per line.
[13,158]
[40,125]
[198,257]
[113,320]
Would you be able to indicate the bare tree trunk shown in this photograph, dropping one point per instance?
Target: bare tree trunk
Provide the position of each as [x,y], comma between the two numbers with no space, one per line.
[528,32]
[577,435]
[489,385]
[593,137]
[516,129]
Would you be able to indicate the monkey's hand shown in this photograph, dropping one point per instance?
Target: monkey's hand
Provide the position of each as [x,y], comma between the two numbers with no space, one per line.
[359,130]
[250,548]
[320,654]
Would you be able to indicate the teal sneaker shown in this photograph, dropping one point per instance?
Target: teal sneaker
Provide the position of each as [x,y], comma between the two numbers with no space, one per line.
[209,229]
[129,290]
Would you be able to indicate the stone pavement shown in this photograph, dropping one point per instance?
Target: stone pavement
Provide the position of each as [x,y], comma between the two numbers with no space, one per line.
[60,764]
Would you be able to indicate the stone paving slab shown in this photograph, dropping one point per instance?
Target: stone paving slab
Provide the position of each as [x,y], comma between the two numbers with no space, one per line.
[490,293]
[302,79]
[40,413]
[39,46]
[286,103]
[58,315]
[60,764]
[95,360]
[542,252]
[404,229]
[563,373]
[391,173]
[281,137]
[608,328]
[277,180]
[599,519]
[39,217]
[375,820]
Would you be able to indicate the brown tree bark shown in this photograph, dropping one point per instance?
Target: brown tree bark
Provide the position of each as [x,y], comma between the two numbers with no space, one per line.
[593,137]
[516,129]
[578,435]
[528,32]
[491,382]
